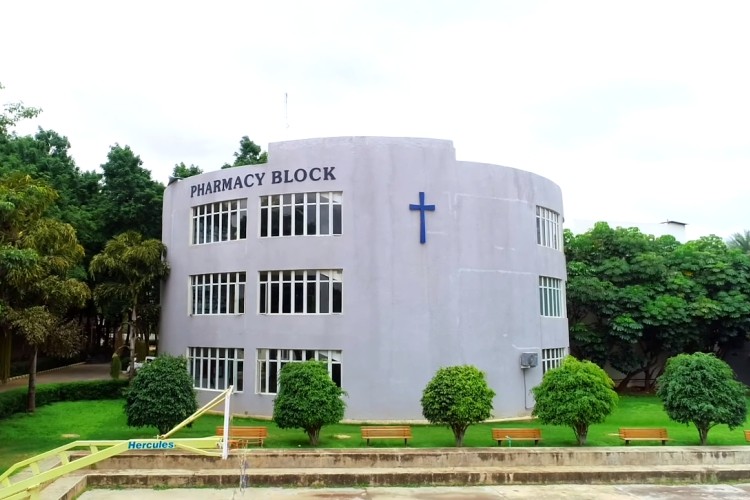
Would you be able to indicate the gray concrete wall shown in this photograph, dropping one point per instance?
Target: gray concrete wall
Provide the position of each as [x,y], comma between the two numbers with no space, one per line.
[469,295]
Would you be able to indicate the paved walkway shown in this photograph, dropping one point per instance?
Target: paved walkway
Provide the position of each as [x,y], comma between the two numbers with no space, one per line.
[73,373]
[557,491]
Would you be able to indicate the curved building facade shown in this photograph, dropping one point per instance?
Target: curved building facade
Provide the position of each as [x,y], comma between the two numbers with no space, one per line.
[385,258]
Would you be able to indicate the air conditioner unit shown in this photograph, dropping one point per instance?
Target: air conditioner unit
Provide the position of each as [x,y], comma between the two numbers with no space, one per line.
[529,359]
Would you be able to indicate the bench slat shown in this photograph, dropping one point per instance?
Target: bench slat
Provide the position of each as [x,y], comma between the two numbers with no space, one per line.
[519,434]
[243,435]
[644,434]
[386,432]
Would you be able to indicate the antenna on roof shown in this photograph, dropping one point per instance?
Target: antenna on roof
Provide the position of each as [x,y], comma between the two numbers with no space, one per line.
[286,109]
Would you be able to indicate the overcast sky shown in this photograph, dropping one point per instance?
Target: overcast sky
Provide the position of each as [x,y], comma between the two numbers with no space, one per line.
[639,110]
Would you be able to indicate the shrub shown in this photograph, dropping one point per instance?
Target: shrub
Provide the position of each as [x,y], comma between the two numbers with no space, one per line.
[307,399]
[457,396]
[161,394]
[702,389]
[14,401]
[115,368]
[576,394]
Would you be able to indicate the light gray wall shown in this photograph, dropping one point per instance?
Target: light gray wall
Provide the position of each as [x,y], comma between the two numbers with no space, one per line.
[469,295]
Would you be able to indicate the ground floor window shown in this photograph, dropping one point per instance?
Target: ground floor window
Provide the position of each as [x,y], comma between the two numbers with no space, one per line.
[552,358]
[271,361]
[216,368]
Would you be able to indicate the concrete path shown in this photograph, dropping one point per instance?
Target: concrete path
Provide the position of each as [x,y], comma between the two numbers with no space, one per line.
[73,373]
[558,491]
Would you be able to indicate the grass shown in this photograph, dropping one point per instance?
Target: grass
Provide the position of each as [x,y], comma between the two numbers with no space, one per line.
[23,435]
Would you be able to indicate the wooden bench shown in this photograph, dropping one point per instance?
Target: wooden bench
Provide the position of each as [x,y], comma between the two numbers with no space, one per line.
[747,435]
[644,434]
[240,437]
[519,434]
[386,432]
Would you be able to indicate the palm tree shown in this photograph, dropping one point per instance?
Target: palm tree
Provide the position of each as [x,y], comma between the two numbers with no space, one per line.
[128,269]
[740,241]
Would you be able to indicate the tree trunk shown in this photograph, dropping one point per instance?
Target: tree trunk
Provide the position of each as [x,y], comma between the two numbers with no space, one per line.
[623,384]
[581,432]
[703,435]
[31,397]
[459,433]
[5,347]
[314,435]
[131,368]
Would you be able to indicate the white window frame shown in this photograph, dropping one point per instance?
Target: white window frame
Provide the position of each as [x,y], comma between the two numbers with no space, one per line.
[208,367]
[553,357]
[308,214]
[300,291]
[551,297]
[218,222]
[217,293]
[548,228]
[269,363]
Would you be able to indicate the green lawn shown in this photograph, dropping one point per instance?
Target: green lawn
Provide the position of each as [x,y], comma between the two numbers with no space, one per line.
[22,436]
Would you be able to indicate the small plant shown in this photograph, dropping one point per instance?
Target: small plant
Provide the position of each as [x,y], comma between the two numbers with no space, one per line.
[457,396]
[161,394]
[702,389]
[576,394]
[307,399]
[115,367]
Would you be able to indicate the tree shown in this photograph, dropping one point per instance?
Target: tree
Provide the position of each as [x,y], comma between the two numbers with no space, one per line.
[161,395]
[132,201]
[182,171]
[575,394]
[13,113]
[457,396]
[307,399]
[248,154]
[635,300]
[740,241]
[701,389]
[37,291]
[130,269]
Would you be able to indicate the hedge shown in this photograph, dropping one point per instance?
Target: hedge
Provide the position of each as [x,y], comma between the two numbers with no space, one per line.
[14,401]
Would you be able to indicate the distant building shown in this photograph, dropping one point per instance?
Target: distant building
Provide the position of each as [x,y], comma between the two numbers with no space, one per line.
[668,227]
[384,258]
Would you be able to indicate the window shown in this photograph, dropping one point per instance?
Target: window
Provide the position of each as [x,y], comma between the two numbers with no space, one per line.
[218,293]
[271,361]
[216,368]
[300,214]
[222,221]
[548,233]
[300,292]
[550,297]
[552,358]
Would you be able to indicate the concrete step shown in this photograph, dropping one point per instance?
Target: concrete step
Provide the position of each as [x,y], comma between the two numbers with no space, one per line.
[416,476]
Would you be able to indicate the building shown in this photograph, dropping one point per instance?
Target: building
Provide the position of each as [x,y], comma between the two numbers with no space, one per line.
[383,257]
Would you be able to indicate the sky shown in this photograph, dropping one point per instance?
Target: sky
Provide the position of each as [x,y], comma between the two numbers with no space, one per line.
[638,110]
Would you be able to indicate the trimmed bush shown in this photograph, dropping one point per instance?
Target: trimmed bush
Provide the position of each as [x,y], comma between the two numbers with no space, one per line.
[457,396]
[161,394]
[14,401]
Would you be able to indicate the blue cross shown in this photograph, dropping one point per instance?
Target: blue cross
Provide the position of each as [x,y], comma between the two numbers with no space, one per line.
[422,223]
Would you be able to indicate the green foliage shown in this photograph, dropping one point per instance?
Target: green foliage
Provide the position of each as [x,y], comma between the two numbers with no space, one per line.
[307,399]
[577,394]
[702,389]
[248,154]
[128,273]
[115,367]
[141,349]
[132,201]
[14,400]
[457,396]
[634,300]
[161,395]
[182,171]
